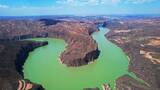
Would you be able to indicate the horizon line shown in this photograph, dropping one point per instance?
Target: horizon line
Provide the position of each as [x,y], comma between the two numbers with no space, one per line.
[79,15]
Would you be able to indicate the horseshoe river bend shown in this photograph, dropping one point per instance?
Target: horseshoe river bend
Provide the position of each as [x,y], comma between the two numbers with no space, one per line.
[43,66]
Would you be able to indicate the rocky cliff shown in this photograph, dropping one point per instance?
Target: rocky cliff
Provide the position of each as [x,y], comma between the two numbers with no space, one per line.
[12,57]
[81,48]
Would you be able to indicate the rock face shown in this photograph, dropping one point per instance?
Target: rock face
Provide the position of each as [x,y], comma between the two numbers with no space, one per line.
[142,44]
[80,49]
[12,57]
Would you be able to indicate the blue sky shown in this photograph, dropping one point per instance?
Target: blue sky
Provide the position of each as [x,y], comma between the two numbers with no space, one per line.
[78,7]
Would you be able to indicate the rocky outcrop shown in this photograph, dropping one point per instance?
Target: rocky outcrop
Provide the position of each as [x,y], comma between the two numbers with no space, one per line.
[80,49]
[12,57]
[142,47]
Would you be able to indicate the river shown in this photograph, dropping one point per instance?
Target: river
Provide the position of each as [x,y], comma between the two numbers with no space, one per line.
[43,66]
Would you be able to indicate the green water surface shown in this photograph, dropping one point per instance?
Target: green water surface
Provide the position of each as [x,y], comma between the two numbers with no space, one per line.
[43,66]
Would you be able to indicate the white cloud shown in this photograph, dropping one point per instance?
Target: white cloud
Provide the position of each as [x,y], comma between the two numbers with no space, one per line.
[73,2]
[100,2]
[138,1]
[110,2]
[84,2]
[3,6]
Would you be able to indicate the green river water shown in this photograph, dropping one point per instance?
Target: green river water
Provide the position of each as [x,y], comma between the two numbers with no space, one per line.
[43,66]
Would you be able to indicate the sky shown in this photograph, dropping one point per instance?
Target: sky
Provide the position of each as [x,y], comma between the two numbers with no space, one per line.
[78,7]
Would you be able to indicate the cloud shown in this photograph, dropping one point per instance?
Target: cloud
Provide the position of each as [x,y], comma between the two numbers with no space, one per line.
[87,2]
[3,6]
[101,2]
[138,1]
[74,2]
[110,2]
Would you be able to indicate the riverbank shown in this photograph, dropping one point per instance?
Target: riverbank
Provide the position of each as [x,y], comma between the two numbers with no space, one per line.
[137,42]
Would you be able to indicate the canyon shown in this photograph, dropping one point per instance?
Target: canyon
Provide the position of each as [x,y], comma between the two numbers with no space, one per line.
[137,37]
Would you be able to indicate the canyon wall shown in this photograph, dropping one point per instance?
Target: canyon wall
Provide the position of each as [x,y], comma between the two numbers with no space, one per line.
[12,58]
